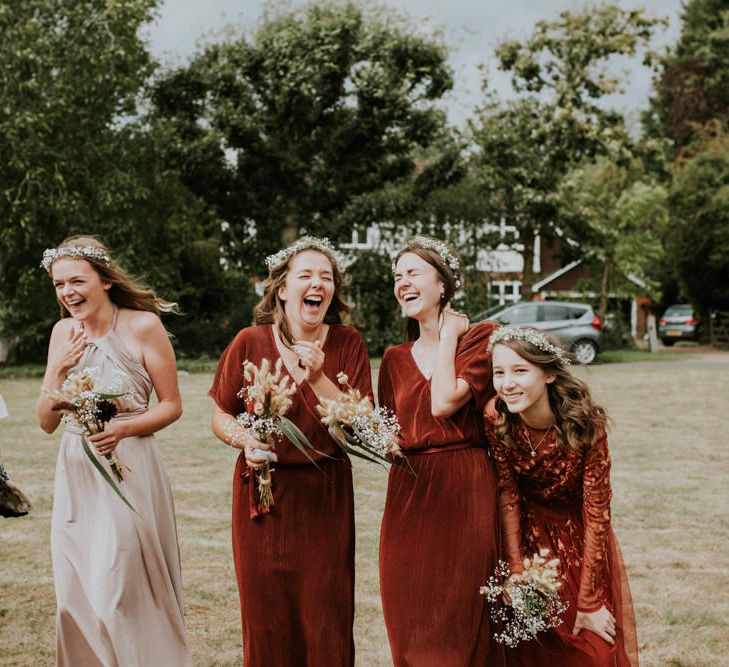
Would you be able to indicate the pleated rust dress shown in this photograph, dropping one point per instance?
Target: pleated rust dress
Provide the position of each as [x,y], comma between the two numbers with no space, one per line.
[295,565]
[440,532]
[561,501]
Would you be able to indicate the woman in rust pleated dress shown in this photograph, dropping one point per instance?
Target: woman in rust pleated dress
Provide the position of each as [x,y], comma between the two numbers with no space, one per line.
[295,562]
[551,457]
[440,533]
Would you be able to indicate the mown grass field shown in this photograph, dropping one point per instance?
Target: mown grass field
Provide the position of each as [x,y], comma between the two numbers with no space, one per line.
[670,466]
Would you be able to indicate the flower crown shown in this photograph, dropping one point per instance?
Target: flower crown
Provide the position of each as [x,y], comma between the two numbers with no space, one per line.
[535,338]
[446,254]
[306,243]
[50,255]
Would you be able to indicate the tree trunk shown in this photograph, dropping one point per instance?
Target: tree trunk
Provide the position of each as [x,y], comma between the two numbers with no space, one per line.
[604,287]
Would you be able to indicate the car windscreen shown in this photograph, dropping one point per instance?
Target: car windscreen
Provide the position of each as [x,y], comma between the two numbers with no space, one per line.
[521,314]
[679,311]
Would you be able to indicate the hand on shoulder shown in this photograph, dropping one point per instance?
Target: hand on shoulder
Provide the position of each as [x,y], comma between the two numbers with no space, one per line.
[489,411]
[454,324]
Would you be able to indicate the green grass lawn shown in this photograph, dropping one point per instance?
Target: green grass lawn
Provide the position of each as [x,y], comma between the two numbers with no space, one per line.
[670,466]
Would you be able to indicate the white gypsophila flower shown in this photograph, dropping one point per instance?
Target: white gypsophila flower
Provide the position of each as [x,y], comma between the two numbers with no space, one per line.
[323,245]
[536,605]
[261,428]
[50,255]
[446,254]
[539,340]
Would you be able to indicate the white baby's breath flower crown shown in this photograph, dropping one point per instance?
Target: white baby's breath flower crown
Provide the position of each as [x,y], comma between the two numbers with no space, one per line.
[306,243]
[445,253]
[50,255]
[539,340]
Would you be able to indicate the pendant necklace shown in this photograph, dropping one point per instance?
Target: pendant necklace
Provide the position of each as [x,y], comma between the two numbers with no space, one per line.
[533,448]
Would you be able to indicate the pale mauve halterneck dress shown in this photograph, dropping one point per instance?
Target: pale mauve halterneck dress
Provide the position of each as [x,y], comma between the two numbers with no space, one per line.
[116,573]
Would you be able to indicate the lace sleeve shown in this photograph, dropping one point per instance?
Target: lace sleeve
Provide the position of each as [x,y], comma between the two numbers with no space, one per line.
[509,496]
[596,518]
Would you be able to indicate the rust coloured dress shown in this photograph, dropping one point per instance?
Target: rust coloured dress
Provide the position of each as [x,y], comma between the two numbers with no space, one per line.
[440,534]
[295,565]
[561,501]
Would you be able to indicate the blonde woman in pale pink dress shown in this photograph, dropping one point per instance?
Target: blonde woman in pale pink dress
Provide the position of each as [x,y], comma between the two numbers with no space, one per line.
[116,572]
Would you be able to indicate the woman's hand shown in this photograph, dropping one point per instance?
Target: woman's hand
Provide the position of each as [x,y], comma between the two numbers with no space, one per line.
[106,441]
[509,586]
[257,453]
[601,622]
[70,352]
[453,324]
[311,358]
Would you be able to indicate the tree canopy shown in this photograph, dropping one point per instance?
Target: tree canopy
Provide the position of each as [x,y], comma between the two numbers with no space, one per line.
[559,73]
[281,130]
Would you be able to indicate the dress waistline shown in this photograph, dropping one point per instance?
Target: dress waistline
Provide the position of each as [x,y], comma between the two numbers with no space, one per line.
[552,510]
[453,447]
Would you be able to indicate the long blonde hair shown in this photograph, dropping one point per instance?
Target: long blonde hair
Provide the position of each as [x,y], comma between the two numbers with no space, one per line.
[578,419]
[270,309]
[125,291]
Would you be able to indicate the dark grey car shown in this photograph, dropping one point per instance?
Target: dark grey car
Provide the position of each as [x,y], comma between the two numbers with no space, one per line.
[574,325]
[679,322]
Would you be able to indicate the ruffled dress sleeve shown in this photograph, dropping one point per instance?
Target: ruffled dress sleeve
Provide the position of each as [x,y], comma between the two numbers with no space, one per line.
[596,517]
[228,379]
[509,495]
[473,362]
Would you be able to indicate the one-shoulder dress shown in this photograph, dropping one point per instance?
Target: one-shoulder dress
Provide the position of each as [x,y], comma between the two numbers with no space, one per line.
[295,564]
[440,532]
[116,573]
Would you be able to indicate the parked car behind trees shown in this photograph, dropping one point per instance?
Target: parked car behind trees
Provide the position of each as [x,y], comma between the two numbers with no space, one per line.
[575,325]
[679,322]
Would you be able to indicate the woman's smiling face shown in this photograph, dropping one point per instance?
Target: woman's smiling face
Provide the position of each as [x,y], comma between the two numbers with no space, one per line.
[418,286]
[79,288]
[521,384]
[309,288]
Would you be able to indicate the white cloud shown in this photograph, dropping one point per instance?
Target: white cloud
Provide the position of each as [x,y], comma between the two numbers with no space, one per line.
[471,29]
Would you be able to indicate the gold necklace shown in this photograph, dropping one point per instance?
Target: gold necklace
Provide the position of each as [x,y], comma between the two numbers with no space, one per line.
[533,448]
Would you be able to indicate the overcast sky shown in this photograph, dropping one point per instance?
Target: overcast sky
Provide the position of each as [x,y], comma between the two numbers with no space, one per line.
[471,28]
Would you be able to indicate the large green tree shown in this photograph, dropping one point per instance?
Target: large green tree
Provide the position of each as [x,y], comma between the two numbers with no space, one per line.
[281,130]
[70,71]
[622,215]
[559,76]
[690,110]
[75,157]
[692,85]
[698,239]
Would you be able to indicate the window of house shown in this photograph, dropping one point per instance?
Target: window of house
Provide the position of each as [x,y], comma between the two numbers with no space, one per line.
[505,291]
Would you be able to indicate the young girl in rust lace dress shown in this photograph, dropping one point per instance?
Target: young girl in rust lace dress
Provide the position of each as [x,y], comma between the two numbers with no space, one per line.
[553,467]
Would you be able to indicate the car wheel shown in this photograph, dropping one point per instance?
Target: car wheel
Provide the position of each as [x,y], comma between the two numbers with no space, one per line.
[584,351]
[668,341]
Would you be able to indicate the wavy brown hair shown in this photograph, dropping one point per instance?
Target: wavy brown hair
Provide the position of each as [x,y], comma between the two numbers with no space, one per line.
[270,309]
[445,273]
[577,418]
[125,291]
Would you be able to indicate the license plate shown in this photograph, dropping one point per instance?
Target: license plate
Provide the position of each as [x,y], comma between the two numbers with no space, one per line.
[674,332]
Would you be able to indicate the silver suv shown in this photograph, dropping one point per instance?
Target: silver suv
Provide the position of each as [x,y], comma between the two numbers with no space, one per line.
[575,325]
